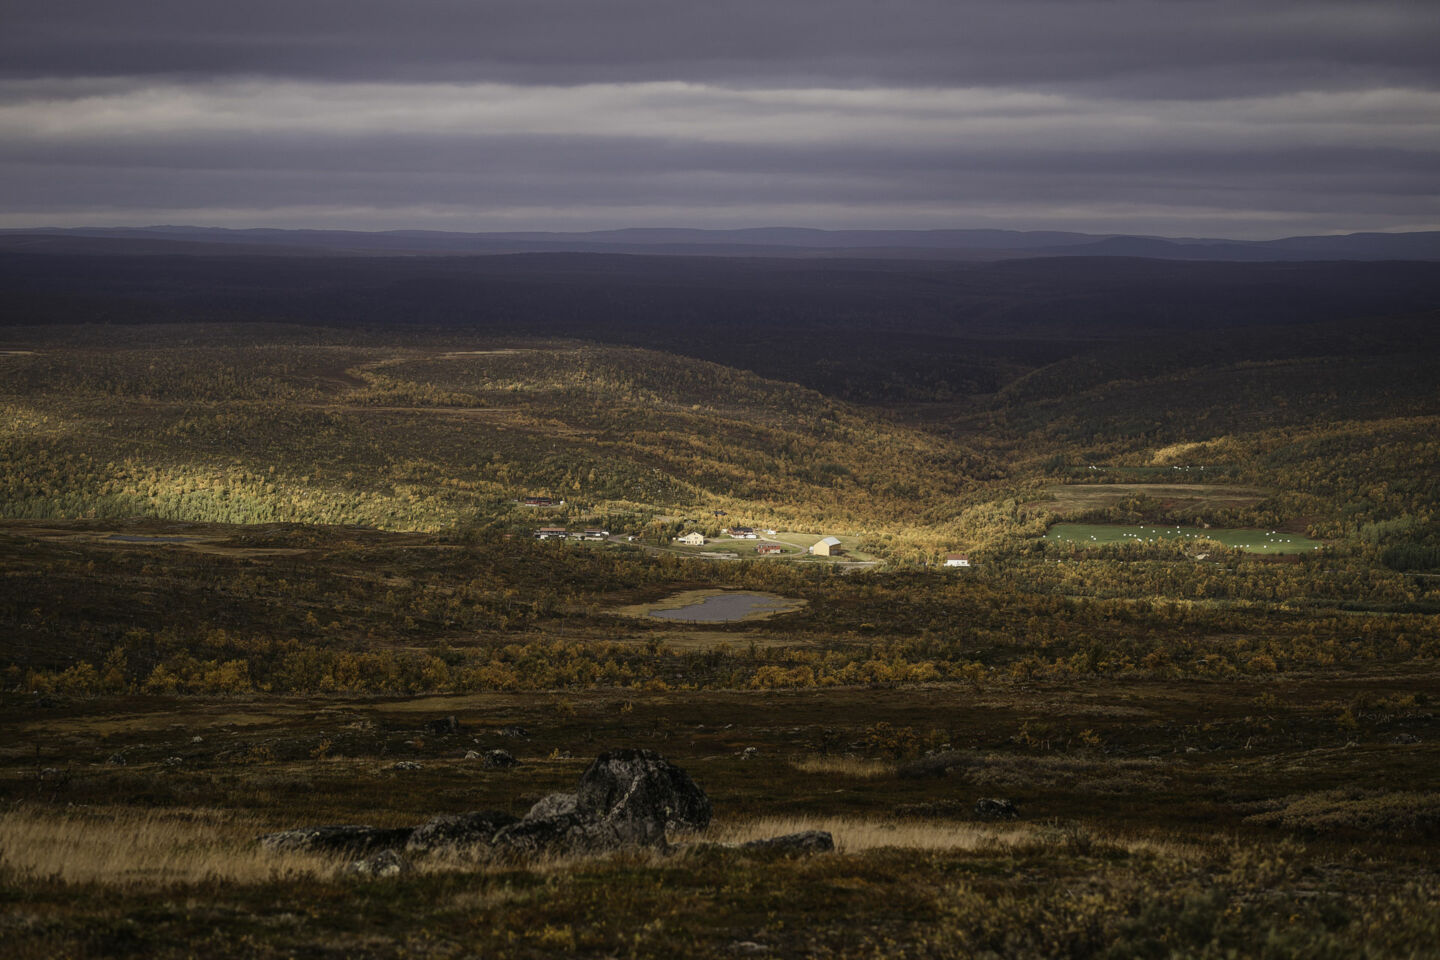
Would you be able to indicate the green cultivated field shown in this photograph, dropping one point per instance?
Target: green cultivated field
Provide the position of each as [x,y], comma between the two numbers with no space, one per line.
[1251,541]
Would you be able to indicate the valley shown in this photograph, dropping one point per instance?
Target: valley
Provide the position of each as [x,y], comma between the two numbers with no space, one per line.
[259,575]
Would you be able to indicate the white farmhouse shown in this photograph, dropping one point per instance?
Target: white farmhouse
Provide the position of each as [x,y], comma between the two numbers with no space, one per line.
[692,539]
[957,560]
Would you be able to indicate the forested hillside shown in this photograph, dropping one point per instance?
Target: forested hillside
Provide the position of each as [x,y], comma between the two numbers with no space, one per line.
[406,438]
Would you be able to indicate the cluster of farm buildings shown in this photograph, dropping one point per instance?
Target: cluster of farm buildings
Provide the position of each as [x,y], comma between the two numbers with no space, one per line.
[561,533]
[825,547]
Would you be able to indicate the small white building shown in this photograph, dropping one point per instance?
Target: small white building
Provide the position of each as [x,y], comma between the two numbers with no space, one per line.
[828,547]
[957,560]
[692,539]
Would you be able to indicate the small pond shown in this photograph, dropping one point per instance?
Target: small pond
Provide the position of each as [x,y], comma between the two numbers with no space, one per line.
[727,607]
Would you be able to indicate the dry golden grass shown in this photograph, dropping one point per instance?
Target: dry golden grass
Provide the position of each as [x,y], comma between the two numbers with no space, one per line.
[151,848]
[148,847]
[857,767]
[860,834]
[856,834]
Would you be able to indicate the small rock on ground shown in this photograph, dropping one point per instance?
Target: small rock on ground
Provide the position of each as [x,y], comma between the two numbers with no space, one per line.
[387,863]
[806,841]
[500,759]
[995,808]
[346,837]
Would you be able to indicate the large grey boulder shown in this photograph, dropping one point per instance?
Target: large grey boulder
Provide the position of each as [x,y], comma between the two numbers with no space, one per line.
[626,798]
[641,784]
[457,832]
[337,838]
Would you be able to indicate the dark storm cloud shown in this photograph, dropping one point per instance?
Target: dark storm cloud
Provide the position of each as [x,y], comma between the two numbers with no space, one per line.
[1169,47]
[1181,116]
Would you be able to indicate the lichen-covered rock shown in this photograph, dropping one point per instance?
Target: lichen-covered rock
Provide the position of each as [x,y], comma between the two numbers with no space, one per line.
[995,808]
[387,863]
[576,833]
[806,841]
[641,785]
[406,765]
[552,805]
[626,798]
[338,838]
[455,832]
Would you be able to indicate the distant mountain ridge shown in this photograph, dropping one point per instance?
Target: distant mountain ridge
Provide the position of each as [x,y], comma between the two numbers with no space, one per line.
[784,242]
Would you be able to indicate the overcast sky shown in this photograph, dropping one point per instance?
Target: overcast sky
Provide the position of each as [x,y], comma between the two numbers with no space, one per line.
[1261,118]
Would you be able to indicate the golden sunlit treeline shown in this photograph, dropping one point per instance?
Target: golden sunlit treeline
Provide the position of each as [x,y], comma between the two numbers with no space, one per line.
[404,439]
[440,438]
[298,667]
[435,438]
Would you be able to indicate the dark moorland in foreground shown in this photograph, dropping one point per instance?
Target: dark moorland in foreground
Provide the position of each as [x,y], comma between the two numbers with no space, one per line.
[263,534]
